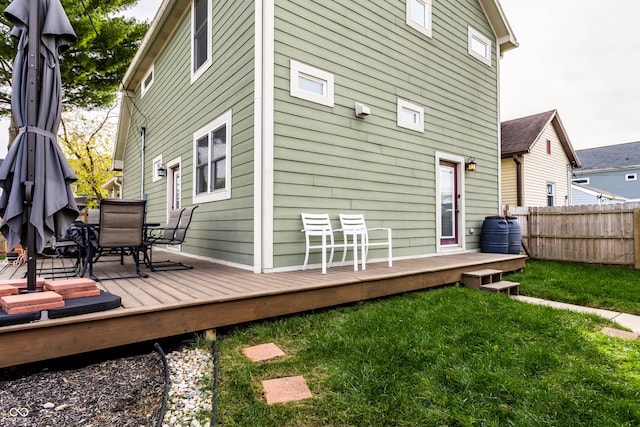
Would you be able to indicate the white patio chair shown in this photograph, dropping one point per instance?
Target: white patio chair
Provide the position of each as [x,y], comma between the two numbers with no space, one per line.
[354,226]
[318,225]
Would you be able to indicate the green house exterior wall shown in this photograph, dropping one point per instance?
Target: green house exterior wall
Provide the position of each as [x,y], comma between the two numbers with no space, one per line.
[324,158]
[327,160]
[174,108]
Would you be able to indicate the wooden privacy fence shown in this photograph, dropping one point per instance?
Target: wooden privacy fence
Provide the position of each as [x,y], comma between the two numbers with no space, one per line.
[602,234]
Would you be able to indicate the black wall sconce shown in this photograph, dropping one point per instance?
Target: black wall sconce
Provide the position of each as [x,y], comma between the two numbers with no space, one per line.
[470,165]
[162,170]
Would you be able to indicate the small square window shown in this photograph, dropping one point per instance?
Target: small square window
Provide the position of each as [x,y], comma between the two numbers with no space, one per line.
[631,177]
[419,15]
[311,83]
[479,46]
[147,81]
[410,116]
[156,164]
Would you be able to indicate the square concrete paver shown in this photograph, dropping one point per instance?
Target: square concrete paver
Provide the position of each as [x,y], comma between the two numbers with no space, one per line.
[619,333]
[262,352]
[287,389]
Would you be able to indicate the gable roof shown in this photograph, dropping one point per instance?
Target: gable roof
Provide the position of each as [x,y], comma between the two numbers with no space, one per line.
[519,135]
[610,157]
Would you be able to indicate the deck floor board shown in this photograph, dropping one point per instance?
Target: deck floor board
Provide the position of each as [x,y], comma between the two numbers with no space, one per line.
[213,295]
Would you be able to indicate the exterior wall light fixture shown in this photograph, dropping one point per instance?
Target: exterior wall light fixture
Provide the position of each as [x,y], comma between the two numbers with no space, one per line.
[470,164]
[162,170]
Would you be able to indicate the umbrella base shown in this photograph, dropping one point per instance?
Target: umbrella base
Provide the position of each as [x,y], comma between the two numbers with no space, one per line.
[73,307]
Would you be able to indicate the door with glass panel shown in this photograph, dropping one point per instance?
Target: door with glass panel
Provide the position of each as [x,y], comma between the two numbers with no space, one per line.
[449,199]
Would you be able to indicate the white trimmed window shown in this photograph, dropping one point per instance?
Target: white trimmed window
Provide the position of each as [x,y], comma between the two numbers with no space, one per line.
[631,177]
[200,37]
[419,15]
[410,116]
[311,83]
[551,194]
[584,181]
[479,46]
[212,158]
[156,164]
[147,81]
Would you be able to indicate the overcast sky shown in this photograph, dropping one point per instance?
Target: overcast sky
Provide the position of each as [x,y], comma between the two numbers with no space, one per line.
[581,58]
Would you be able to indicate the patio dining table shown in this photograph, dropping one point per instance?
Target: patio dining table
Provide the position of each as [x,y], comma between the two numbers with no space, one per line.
[89,232]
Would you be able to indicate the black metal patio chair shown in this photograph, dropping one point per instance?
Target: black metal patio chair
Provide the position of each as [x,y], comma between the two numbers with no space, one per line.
[173,234]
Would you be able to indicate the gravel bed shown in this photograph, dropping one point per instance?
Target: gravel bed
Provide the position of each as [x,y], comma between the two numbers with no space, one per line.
[120,392]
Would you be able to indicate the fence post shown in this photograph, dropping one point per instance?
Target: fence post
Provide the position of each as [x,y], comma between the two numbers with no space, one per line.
[636,238]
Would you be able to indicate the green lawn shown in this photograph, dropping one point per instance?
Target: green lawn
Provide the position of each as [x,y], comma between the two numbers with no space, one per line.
[609,287]
[445,357]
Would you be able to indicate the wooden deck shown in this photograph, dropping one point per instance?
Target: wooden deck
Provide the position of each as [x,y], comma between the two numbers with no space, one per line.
[213,295]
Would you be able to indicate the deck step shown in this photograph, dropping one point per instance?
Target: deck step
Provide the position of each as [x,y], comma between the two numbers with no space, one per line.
[477,278]
[509,288]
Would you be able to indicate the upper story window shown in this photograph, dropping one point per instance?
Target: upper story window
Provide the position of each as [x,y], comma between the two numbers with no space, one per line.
[311,83]
[410,116]
[548,147]
[147,81]
[419,15]
[201,37]
[631,177]
[212,157]
[479,46]
[581,181]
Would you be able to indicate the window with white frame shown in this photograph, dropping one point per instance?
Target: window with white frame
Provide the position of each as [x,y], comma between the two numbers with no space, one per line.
[551,194]
[147,81]
[631,177]
[311,83]
[580,181]
[212,157]
[157,165]
[419,15]
[479,46]
[200,37]
[410,116]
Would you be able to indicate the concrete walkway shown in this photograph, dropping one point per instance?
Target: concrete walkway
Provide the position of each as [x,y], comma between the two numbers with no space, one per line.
[629,321]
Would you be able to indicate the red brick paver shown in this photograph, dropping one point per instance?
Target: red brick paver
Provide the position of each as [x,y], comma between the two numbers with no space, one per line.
[262,352]
[281,390]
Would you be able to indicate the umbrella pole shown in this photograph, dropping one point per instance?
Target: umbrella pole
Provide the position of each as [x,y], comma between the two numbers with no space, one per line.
[32,121]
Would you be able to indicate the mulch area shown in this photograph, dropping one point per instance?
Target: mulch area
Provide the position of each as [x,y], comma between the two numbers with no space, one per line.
[126,390]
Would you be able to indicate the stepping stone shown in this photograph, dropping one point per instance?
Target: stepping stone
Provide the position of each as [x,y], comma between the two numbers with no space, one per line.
[262,352]
[619,333]
[288,389]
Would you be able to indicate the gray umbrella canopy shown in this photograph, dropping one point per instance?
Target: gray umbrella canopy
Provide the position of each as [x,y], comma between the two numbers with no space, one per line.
[53,206]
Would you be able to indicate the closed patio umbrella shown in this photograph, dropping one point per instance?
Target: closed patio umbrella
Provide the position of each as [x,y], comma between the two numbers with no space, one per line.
[37,202]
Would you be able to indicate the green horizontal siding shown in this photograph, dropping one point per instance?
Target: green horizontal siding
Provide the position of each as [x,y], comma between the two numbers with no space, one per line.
[174,108]
[326,160]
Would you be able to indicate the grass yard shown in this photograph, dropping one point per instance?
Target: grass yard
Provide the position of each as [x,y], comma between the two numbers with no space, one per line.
[602,286]
[445,357]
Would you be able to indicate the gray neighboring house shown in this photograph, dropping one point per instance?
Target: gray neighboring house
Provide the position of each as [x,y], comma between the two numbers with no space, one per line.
[612,171]
[258,110]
